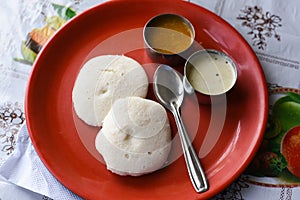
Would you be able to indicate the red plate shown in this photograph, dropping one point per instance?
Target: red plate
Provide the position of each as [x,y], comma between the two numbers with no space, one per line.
[66,145]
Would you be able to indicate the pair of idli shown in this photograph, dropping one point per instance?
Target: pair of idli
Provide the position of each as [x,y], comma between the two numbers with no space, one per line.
[135,137]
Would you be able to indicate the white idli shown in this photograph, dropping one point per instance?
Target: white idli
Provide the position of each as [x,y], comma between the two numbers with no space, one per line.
[136,139]
[101,81]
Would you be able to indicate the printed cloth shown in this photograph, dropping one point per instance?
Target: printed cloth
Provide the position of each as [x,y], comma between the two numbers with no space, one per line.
[269,27]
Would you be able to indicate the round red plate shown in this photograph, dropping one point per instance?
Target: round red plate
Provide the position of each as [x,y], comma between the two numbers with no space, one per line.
[65,144]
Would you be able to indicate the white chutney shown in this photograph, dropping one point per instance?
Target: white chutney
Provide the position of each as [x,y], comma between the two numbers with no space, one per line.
[211,72]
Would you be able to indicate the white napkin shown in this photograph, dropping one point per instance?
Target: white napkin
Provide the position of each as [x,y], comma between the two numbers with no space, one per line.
[278,58]
[25,169]
[14,192]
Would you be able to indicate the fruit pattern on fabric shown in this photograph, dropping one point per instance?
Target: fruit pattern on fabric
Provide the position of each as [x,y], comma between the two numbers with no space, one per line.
[279,153]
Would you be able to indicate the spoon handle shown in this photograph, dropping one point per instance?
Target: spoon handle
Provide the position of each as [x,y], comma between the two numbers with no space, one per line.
[195,170]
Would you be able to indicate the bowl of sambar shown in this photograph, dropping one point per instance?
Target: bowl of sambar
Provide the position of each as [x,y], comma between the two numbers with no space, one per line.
[168,37]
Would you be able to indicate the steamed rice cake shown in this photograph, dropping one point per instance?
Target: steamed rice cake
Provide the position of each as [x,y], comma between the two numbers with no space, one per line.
[135,138]
[101,81]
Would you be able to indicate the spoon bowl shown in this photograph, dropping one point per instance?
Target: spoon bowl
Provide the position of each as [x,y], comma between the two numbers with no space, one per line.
[168,87]
[169,90]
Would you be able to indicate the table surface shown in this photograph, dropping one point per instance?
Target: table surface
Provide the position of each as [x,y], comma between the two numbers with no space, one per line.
[264,24]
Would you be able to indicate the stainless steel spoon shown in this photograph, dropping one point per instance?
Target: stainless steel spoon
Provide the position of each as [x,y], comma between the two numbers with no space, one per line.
[169,90]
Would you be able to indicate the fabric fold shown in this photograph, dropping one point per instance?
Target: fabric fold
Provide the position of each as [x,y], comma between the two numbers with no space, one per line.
[25,169]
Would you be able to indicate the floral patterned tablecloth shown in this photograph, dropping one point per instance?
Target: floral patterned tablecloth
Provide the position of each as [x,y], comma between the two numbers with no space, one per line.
[269,26]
